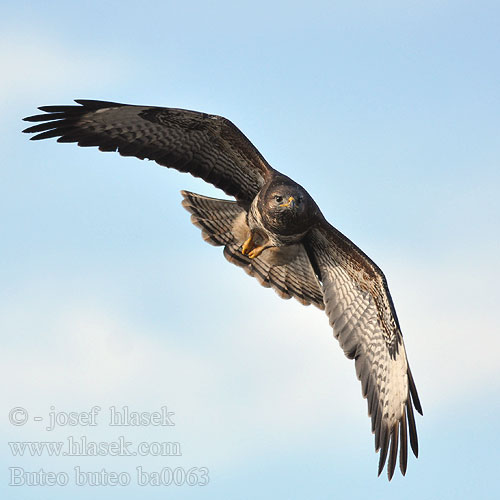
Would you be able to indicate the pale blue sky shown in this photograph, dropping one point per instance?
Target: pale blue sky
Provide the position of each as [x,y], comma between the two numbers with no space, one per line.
[387,112]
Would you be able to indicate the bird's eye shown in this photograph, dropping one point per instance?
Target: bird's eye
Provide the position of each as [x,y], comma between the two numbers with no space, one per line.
[279,199]
[300,200]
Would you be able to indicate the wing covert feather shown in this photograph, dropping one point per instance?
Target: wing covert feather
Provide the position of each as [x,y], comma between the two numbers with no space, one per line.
[206,146]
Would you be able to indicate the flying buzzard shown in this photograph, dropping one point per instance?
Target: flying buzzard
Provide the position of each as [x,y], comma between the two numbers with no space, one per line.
[276,232]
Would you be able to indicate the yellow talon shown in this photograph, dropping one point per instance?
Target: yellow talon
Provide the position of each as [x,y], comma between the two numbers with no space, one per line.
[251,248]
[248,246]
[256,252]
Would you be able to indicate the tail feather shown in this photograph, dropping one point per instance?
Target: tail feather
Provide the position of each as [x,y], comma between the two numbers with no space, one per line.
[214,217]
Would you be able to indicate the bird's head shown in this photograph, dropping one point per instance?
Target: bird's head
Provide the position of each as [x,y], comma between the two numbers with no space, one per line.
[286,207]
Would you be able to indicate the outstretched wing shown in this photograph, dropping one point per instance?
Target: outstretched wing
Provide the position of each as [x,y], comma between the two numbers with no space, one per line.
[206,146]
[364,321]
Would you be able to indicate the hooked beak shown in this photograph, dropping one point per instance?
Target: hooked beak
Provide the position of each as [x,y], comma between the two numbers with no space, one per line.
[290,202]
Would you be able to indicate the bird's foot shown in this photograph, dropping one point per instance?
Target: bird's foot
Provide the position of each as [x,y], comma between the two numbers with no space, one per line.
[248,246]
[254,245]
[256,251]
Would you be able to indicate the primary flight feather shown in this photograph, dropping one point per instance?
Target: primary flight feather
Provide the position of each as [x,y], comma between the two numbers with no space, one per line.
[276,232]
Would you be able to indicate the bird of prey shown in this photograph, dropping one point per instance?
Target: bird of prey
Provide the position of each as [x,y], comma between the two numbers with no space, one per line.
[273,230]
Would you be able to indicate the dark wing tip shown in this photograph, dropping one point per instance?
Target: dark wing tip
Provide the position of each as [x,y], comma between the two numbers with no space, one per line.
[413,393]
[412,428]
[60,121]
[384,448]
[393,454]
[54,112]
[403,453]
[389,440]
